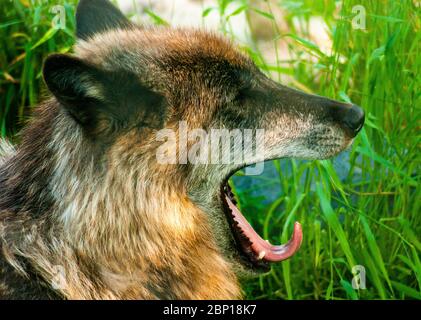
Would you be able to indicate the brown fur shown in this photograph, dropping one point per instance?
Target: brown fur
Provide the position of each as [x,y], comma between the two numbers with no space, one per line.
[86,212]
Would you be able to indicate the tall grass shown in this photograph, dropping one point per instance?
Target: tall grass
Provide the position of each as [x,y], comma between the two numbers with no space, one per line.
[26,36]
[367,214]
[370,217]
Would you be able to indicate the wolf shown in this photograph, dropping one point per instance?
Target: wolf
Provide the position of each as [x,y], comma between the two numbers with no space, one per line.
[87,211]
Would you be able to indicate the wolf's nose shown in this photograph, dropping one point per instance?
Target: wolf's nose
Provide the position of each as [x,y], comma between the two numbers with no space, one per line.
[351,117]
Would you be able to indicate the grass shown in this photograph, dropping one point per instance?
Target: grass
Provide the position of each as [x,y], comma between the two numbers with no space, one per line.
[368,214]
[27,36]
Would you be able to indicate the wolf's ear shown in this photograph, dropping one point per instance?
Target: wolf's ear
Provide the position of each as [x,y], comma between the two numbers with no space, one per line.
[97,16]
[74,84]
[100,100]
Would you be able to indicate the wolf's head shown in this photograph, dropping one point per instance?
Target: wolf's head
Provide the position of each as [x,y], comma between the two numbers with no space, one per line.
[130,85]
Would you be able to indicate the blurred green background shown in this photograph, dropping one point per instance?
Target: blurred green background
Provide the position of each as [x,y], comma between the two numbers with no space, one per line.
[361,208]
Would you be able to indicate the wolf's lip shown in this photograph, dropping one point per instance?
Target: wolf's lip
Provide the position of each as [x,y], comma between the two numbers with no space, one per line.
[262,249]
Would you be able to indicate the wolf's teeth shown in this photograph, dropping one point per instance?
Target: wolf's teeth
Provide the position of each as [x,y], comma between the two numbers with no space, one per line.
[261,255]
[267,241]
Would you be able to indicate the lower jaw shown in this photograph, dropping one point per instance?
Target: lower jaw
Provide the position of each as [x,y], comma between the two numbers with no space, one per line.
[243,254]
[255,252]
[253,268]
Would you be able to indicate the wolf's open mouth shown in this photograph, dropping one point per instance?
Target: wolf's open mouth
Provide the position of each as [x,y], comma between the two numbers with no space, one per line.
[253,248]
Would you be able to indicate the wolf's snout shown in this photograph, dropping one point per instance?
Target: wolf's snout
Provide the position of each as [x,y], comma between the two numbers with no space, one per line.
[350,117]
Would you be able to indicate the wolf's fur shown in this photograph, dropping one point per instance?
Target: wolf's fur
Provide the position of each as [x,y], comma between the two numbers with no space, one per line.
[6,150]
[95,238]
[86,212]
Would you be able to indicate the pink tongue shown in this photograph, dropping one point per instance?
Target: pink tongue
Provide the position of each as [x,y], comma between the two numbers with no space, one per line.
[261,248]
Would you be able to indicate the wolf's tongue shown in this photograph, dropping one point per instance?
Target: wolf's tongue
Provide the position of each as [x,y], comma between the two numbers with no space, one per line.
[261,248]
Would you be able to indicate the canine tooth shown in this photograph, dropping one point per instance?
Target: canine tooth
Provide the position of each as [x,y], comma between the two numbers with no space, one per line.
[261,255]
